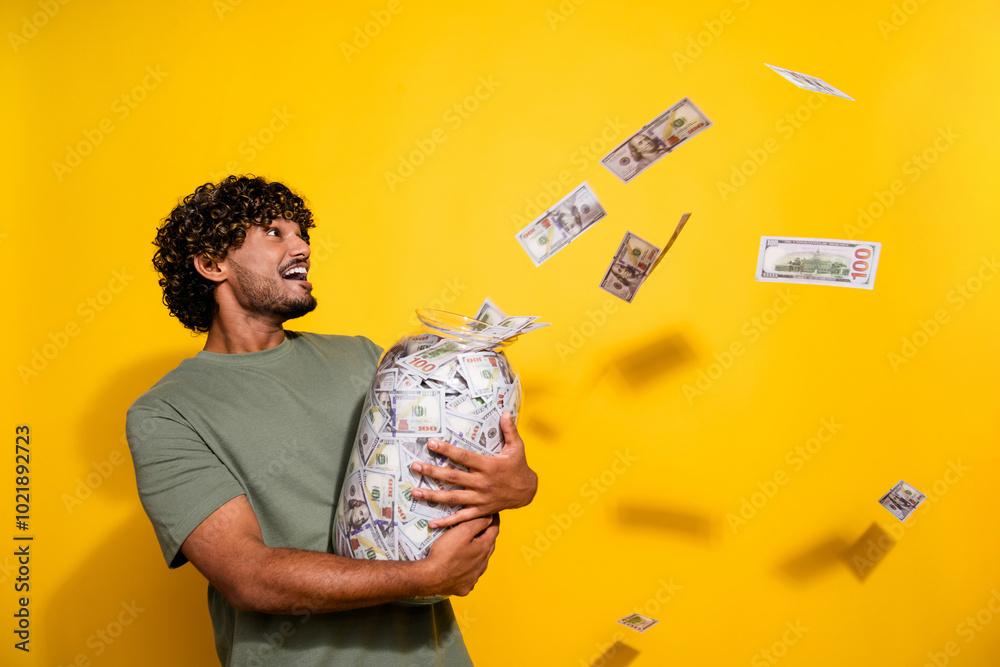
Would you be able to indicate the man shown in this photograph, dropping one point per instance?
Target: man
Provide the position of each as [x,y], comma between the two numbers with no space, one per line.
[241,450]
[645,150]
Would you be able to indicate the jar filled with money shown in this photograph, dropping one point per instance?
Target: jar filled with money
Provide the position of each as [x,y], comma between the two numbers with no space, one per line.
[450,381]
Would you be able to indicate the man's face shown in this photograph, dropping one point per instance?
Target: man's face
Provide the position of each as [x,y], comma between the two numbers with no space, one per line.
[644,145]
[269,271]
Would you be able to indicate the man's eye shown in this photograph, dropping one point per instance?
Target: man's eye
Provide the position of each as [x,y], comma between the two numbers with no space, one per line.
[274,230]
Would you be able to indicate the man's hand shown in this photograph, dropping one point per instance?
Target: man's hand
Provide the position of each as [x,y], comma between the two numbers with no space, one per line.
[493,483]
[459,557]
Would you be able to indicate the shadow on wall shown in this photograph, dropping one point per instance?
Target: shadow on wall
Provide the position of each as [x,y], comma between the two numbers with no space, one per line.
[651,360]
[861,557]
[692,526]
[619,655]
[538,397]
[101,439]
[123,605]
[868,551]
[814,562]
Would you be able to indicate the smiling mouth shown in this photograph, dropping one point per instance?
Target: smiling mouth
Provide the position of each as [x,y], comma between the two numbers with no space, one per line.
[297,273]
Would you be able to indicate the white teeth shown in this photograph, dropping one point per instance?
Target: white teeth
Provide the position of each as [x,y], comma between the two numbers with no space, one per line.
[298,270]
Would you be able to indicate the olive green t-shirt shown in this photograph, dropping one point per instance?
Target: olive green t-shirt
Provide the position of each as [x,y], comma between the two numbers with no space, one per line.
[278,427]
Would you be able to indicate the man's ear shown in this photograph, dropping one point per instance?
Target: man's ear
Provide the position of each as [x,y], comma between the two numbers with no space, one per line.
[209,268]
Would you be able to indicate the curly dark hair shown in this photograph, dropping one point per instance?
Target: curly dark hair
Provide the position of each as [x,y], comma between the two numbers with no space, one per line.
[212,221]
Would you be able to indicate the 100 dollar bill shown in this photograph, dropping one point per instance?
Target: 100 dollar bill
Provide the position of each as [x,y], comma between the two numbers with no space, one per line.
[786,259]
[632,262]
[655,140]
[809,82]
[556,228]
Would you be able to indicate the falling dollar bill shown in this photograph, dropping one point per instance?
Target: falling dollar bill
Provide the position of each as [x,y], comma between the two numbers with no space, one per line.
[657,138]
[784,259]
[673,238]
[556,228]
[901,500]
[638,622]
[809,82]
[629,267]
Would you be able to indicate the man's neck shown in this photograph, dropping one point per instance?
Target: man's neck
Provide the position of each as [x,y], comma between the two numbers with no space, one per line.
[249,334]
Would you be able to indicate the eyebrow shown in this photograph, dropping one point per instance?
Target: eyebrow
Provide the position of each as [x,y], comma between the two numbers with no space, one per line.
[273,224]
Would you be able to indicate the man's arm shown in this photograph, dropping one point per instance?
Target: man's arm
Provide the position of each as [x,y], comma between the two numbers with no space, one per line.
[493,483]
[228,548]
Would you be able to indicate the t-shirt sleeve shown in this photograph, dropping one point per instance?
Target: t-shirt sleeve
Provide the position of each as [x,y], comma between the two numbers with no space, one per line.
[181,481]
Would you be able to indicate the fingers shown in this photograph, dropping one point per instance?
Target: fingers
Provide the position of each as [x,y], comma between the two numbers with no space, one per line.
[457,497]
[473,527]
[492,531]
[442,473]
[510,434]
[456,518]
[457,454]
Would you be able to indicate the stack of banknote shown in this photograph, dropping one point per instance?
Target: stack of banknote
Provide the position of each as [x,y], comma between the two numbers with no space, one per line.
[450,387]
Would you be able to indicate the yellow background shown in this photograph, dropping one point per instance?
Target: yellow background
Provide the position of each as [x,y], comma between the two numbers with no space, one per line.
[331,122]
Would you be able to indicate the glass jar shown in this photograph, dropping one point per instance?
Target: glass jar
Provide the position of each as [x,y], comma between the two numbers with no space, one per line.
[450,381]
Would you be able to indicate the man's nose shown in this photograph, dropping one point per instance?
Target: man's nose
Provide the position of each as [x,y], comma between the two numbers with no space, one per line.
[300,248]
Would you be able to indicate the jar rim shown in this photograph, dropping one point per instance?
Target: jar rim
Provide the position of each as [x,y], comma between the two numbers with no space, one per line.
[460,326]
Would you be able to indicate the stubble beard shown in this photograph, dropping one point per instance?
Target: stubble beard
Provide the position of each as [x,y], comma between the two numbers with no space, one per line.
[268,297]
